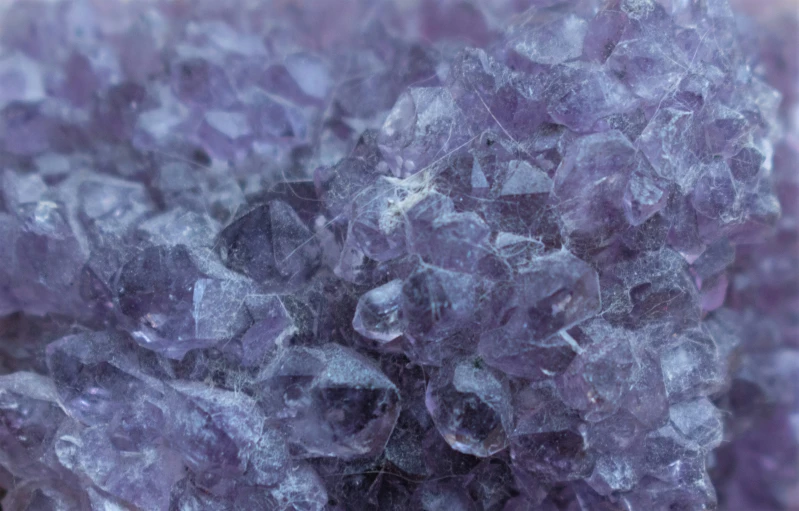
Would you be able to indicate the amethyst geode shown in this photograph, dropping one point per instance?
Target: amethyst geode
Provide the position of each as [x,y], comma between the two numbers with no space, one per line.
[439,255]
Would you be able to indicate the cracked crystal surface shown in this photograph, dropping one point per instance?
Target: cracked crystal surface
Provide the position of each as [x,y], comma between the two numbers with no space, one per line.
[438,255]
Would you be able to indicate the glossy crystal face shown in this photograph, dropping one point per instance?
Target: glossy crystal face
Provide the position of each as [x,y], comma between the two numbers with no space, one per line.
[446,255]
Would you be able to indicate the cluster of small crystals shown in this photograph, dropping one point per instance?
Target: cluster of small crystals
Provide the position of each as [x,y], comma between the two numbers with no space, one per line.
[439,255]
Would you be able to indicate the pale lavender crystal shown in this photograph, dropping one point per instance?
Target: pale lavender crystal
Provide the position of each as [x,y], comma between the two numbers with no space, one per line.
[552,41]
[615,472]
[271,325]
[456,241]
[521,193]
[376,225]
[471,407]
[186,496]
[435,496]
[223,435]
[651,64]
[45,495]
[424,124]
[599,375]
[645,194]
[590,184]
[477,255]
[647,398]
[580,94]
[301,489]
[437,302]
[653,288]
[492,95]
[345,187]
[671,144]
[513,349]
[603,34]
[518,251]
[42,225]
[155,289]
[524,179]
[30,418]
[699,421]
[330,401]
[378,313]
[89,382]
[693,367]
[175,306]
[143,477]
[556,292]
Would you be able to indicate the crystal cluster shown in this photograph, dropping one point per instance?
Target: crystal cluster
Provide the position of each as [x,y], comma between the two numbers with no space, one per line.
[439,255]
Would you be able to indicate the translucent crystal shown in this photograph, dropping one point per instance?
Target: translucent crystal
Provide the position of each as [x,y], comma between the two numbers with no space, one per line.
[291,251]
[600,374]
[513,350]
[590,184]
[91,387]
[173,306]
[331,401]
[692,368]
[670,142]
[376,225]
[552,41]
[471,407]
[441,496]
[557,292]
[580,94]
[378,314]
[341,255]
[271,325]
[48,495]
[699,421]
[148,475]
[437,302]
[30,417]
[424,122]
[547,443]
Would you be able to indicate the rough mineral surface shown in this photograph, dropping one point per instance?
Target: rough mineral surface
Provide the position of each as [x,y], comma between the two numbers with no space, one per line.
[438,255]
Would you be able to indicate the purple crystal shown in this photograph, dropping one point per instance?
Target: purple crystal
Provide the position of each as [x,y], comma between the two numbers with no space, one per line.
[590,184]
[581,94]
[30,418]
[175,306]
[456,241]
[552,41]
[471,407]
[445,255]
[270,244]
[331,401]
[547,443]
[597,378]
[437,302]
[148,474]
[91,387]
[374,227]
[425,123]
[271,325]
[516,352]
[557,292]
[378,314]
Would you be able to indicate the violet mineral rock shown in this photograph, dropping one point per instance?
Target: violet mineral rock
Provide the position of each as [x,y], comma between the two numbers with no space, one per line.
[434,255]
